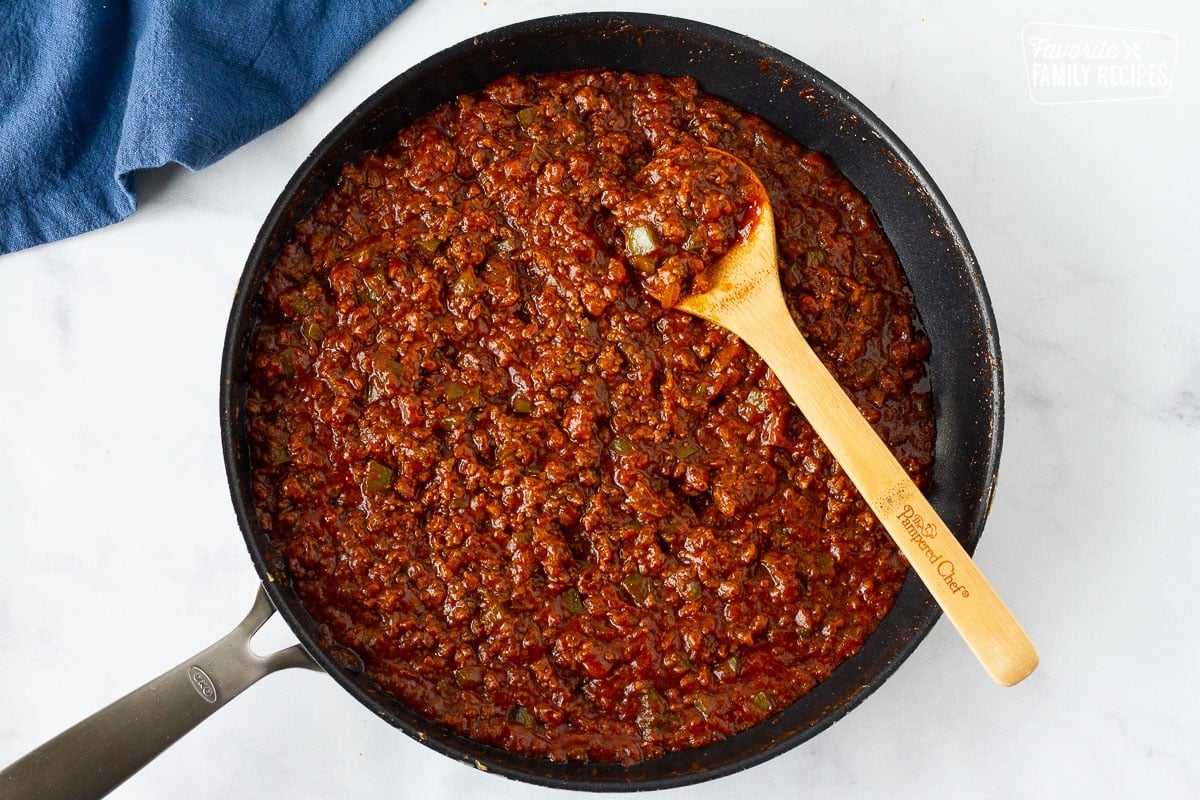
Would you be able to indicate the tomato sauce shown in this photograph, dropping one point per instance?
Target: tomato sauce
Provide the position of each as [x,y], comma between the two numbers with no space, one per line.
[545,509]
[688,207]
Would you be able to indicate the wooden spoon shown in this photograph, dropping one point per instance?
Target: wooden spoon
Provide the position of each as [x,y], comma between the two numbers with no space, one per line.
[745,298]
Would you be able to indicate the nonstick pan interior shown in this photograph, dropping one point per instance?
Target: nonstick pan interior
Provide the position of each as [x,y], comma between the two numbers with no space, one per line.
[945,278]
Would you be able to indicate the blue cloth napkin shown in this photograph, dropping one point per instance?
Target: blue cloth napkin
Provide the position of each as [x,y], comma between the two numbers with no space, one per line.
[93,90]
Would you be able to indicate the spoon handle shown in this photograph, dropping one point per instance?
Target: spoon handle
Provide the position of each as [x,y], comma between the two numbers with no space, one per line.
[981,617]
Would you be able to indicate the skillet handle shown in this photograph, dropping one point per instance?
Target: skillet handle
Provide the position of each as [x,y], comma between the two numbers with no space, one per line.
[95,756]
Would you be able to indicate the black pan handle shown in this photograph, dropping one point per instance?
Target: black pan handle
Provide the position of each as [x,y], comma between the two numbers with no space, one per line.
[95,756]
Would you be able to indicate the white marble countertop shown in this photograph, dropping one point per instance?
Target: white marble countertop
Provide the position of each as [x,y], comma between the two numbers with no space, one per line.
[120,555]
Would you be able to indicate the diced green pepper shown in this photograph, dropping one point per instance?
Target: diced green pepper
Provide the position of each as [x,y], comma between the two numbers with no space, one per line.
[468,677]
[667,721]
[312,330]
[526,116]
[287,364]
[379,477]
[522,404]
[621,445]
[523,537]
[468,396]
[640,239]
[762,702]
[373,286]
[430,246]
[519,715]
[638,586]
[465,284]
[644,264]
[391,367]
[686,450]
[279,454]
[865,373]
[573,601]
[300,304]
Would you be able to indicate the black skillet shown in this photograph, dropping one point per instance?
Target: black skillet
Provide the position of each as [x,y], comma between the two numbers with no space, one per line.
[92,758]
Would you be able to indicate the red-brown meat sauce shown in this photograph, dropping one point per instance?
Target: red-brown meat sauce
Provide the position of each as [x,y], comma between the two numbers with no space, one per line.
[686,209]
[545,510]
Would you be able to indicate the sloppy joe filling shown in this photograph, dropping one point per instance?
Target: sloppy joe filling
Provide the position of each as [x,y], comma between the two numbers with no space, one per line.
[685,210]
[540,506]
